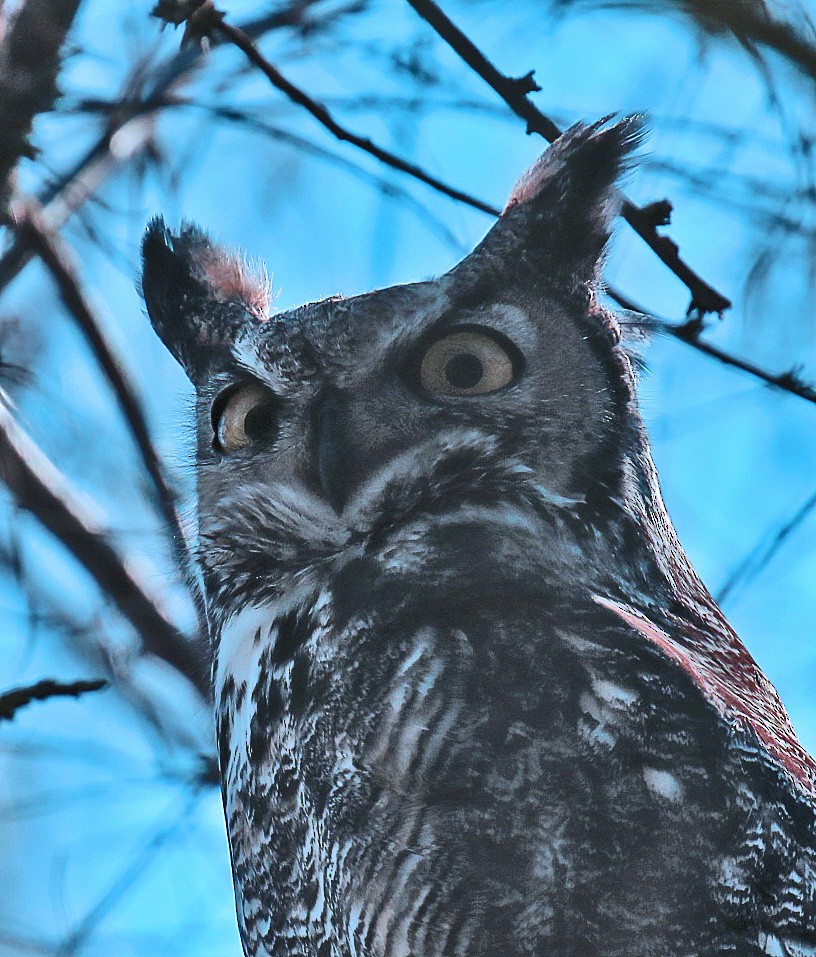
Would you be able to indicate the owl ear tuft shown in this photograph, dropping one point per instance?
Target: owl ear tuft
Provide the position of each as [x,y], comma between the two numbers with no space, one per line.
[582,164]
[558,217]
[198,295]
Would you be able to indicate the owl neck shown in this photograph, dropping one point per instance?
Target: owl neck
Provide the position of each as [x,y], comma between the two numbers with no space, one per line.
[646,545]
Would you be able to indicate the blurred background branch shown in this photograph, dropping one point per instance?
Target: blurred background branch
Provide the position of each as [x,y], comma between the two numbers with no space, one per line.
[31,227]
[30,59]
[40,489]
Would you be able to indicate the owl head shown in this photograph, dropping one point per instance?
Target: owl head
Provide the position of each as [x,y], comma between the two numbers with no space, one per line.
[325,427]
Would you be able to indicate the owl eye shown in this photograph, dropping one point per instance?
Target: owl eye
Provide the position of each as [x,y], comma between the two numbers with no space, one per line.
[244,415]
[467,362]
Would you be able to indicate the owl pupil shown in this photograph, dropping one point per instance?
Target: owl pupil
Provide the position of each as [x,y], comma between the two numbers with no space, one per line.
[260,423]
[464,371]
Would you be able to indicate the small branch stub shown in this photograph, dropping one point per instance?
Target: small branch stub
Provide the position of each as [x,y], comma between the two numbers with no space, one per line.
[12,701]
[200,17]
[525,84]
[645,220]
[657,213]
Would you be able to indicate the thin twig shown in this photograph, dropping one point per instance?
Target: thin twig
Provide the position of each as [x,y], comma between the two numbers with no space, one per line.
[388,187]
[130,131]
[514,92]
[12,701]
[127,879]
[298,96]
[41,489]
[753,24]
[30,225]
[689,333]
[60,201]
[88,637]
[788,382]
[763,553]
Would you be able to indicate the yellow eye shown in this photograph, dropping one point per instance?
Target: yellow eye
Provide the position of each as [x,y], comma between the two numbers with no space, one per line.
[245,414]
[466,362]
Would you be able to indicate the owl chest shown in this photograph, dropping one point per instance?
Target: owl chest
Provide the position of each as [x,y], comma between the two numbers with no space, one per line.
[503,750]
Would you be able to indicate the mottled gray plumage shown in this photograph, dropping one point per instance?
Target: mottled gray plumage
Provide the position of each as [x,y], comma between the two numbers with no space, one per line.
[471,697]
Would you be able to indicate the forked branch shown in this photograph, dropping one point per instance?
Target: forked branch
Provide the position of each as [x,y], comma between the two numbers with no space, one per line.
[129,130]
[689,333]
[298,96]
[705,299]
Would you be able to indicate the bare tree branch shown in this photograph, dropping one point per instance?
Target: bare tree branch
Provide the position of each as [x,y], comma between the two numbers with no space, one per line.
[514,92]
[29,64]
[130,128]
[385,186]
[689,333]
[39,488]
[245,43]
[30,225]
[12,701]
[788,382]
[60,202]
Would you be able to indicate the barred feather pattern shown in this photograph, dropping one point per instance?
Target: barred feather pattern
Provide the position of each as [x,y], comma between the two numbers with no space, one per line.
[407,776]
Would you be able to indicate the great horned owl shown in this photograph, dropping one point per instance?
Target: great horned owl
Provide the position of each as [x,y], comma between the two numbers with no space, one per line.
[471,697]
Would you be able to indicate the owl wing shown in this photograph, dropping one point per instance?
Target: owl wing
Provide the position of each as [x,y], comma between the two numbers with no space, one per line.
[772,877]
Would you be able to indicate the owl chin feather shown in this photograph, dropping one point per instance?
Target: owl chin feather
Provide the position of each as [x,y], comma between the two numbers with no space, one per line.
[268,542]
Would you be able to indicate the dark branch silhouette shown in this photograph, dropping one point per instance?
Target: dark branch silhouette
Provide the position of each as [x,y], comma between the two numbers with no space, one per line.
[129,129]
[12,701]
[514,92]
[29,64]
[61,200]
[127,135]
[645,217]
[689,333]
[245,43]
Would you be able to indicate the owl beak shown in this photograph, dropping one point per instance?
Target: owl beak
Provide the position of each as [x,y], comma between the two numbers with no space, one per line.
[332,458]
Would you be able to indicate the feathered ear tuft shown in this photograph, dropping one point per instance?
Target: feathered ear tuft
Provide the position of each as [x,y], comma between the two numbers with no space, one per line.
[558,217]
[198,295]
[570,192]
[583,163]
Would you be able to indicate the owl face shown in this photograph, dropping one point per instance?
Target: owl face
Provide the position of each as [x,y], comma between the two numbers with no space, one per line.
[350,413]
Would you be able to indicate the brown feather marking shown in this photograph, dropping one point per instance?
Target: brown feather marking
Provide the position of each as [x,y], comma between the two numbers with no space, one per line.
[231,276]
